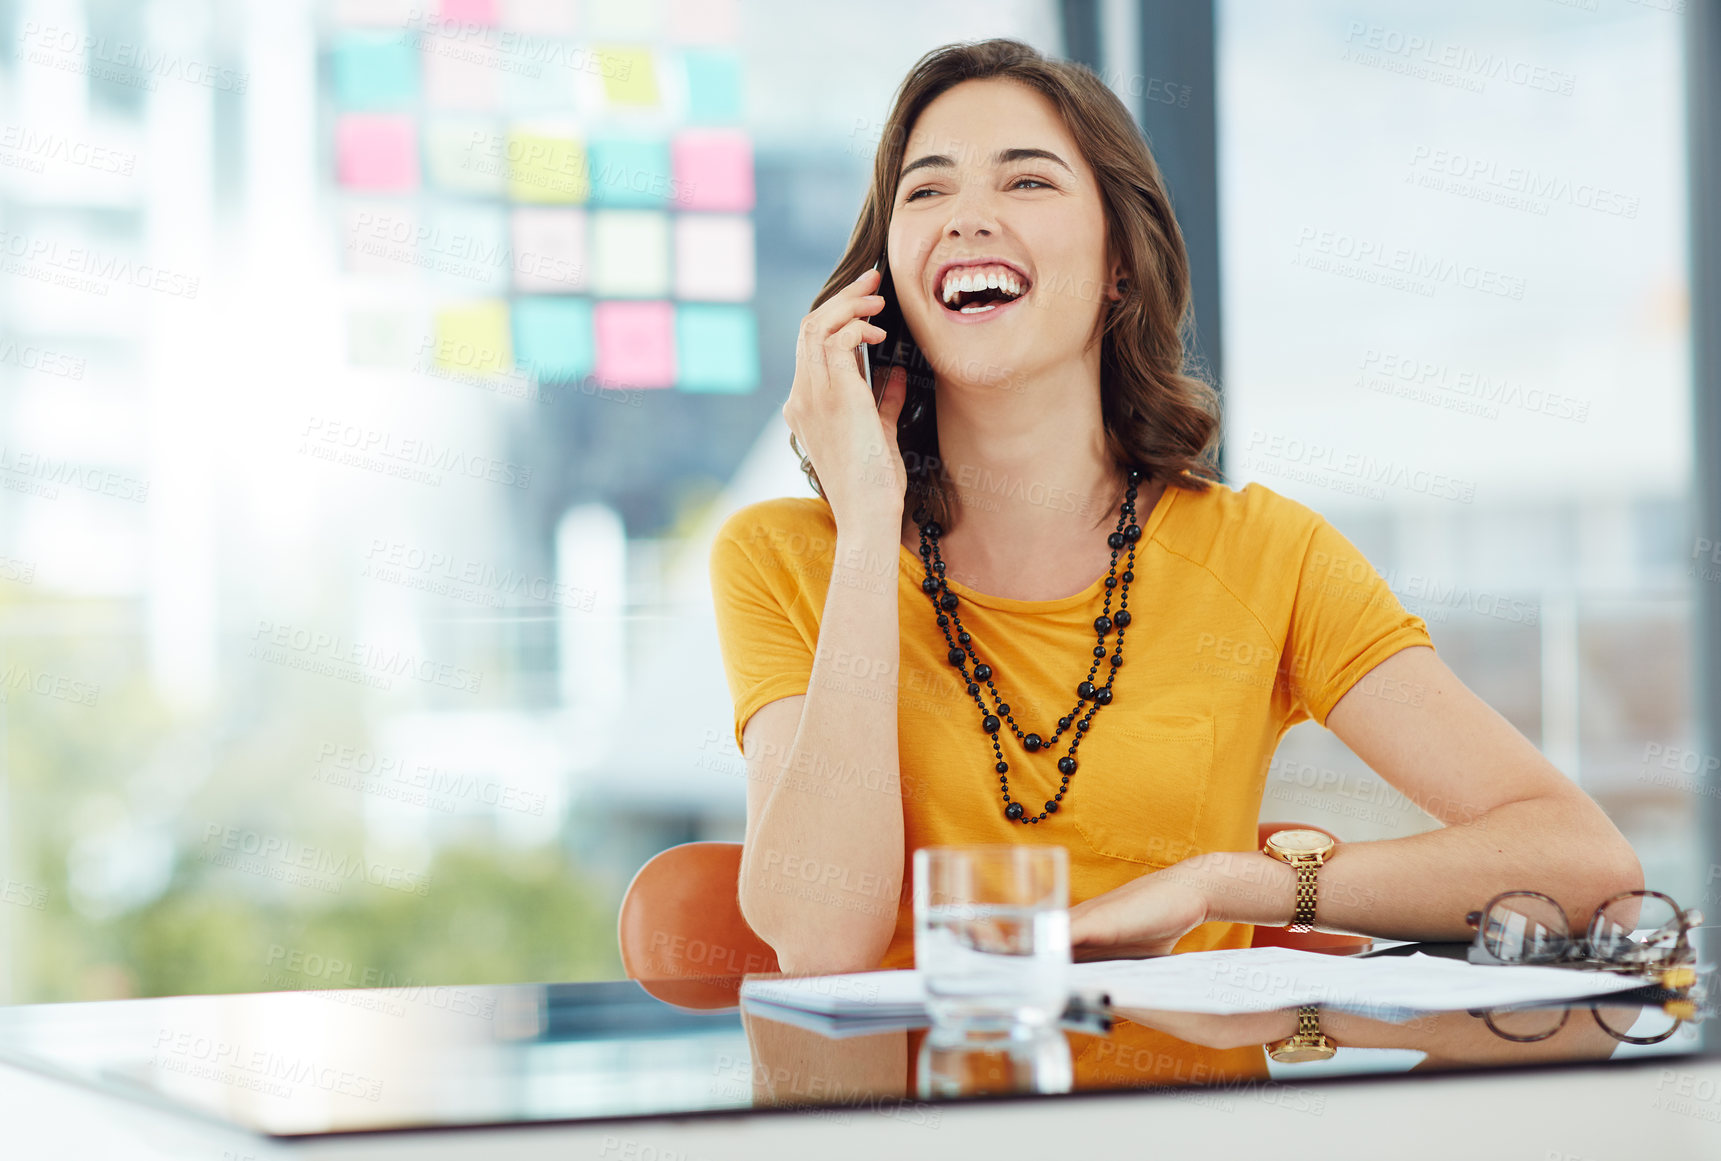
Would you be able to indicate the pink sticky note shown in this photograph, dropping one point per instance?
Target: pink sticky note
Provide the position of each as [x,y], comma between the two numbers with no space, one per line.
[703,21]
[468,11]
[636,344]
[713,169]
[376,151]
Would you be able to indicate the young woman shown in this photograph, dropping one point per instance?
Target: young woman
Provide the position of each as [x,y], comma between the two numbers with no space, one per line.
[1026,612]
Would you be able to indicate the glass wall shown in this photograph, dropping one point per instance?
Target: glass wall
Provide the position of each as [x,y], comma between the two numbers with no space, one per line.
[373,375]
[1453,242]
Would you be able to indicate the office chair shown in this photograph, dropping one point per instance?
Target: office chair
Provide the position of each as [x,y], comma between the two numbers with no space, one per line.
[684,939]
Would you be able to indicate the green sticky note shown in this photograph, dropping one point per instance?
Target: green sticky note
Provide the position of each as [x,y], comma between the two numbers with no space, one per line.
[473,338]
[546,169]
[629,76]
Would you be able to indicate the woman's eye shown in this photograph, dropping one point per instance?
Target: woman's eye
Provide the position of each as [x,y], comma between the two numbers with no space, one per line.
[928,189]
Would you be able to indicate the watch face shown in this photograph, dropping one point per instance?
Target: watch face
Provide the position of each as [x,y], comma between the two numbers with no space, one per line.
[1298,842]
[1304,1053]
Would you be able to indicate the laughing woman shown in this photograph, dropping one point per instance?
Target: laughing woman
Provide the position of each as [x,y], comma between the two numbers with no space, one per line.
[1022,608]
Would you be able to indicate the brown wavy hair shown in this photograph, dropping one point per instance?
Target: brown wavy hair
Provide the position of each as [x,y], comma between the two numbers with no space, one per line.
[1161,414]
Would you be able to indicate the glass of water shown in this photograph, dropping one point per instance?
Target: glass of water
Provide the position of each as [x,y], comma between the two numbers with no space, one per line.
[992,934]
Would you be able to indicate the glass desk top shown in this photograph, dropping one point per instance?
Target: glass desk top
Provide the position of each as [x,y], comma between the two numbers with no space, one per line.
[296,1064]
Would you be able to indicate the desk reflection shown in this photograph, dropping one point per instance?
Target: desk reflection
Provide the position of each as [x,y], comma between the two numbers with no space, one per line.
[794,1066]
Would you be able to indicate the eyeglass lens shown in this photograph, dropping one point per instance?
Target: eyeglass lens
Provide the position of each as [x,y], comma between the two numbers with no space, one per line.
[1635,928]
[1524,928]
[1636,1023]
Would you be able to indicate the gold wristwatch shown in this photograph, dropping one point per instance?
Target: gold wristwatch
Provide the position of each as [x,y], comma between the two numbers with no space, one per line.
[1306,851]
[1306,1043]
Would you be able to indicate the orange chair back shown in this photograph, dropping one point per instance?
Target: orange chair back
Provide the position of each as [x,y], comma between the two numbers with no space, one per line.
[1323,941]
[683,937]
[681,931]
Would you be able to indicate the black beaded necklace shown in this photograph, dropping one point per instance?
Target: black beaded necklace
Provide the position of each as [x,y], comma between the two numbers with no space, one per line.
[1126,535]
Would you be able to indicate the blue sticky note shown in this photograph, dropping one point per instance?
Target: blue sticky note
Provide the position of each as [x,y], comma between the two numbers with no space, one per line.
[465,248]
[717,348]
[713,86]
[553,338]
[373,70]
[629,171]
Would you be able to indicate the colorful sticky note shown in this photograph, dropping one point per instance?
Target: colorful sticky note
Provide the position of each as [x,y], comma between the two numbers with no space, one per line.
[468,11]
[465,247]
[714,257]
[542,77]
[636,344]
[376,151]
[380,338]
[553,339]
[465,155]
[373,70]
[630,78]
[717,349]
[540,17]
[630,253]
[375,13]
[549,250]
[713,169]
[630,171]
[460,71]
[379,238]
[546,168]
[624,19]
[713,86]
[473,338]
[703,21]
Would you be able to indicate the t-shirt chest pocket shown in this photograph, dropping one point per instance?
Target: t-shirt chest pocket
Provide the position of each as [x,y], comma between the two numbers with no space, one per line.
[1141,786]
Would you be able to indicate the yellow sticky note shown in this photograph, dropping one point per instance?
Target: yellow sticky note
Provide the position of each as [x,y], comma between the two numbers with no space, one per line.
[474,339]
[545,168]
[629,78]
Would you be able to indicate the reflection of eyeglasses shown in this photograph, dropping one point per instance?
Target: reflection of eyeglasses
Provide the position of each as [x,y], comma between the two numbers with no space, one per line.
[1526,1025]
[1629,932]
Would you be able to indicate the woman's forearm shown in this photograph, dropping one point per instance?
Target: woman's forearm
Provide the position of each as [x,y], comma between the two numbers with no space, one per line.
[821,875]
[1422,886]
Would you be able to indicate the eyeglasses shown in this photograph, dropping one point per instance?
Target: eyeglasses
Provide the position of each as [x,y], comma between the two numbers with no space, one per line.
[1631,932]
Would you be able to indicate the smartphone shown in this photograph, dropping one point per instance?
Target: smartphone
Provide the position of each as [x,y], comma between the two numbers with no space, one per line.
[877,359]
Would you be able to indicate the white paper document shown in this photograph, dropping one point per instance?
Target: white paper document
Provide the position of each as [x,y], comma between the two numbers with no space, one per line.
[1254,979]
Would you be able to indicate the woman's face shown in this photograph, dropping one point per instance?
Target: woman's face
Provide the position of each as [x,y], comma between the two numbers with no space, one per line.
[990,172]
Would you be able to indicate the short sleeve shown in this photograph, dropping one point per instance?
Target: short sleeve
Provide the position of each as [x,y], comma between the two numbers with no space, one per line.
[1345,620]
[766,654]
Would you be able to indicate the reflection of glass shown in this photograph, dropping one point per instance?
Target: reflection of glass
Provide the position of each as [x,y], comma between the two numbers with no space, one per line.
[958,1062]
[992,934]
[1637,929]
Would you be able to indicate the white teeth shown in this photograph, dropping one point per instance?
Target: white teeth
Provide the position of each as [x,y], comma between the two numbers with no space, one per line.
[957,282]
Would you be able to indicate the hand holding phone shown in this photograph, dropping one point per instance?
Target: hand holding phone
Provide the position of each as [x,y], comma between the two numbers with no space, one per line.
[852,445]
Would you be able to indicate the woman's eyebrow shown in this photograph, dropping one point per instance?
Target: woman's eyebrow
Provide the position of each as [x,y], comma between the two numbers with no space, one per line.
[1002,157]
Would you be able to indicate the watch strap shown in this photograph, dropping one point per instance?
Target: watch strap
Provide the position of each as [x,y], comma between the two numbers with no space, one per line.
[1308,1042]
[1303,918]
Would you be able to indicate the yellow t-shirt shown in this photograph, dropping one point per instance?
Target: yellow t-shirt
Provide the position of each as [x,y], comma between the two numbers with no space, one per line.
[1250,613]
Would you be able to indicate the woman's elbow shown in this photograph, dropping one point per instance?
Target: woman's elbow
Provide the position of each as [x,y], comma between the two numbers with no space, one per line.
[1600,870]
[846,943]
[1622,871]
